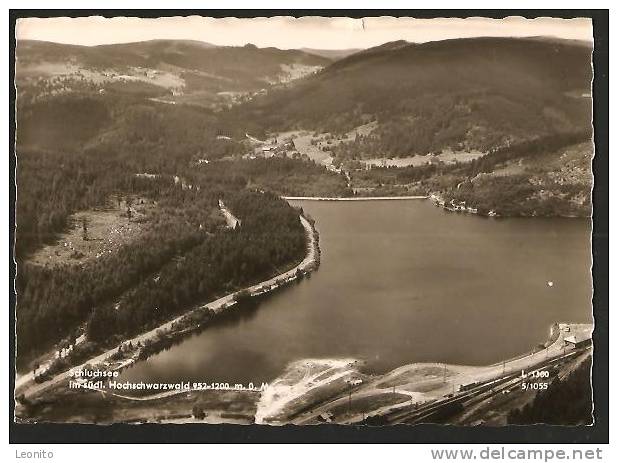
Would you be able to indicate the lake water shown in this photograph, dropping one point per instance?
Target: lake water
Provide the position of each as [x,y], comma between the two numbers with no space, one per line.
[401,282]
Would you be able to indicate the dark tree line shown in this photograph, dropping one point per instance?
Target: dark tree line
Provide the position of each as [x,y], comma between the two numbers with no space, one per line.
[53,301]
[53,184]
[484,164]
[187,256]
[75,149]
[284,176]
[473,93]
[529,148]
[270,238]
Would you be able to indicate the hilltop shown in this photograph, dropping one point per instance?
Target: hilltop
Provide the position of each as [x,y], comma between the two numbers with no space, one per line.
[155,95]
[332,54]
[512,104]
[464,94]
[177,70]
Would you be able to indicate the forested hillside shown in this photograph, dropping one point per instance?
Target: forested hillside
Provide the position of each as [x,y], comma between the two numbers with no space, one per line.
[177,70]
[95,134]
[271,237]
[121,123]
[63,168]
[461,94]
[547,176]
[184,257]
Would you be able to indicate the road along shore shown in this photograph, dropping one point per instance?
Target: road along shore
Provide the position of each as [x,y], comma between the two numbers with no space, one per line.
[314,390]
[31,388]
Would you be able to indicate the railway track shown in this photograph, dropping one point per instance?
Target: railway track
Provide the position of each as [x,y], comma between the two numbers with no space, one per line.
[432,410]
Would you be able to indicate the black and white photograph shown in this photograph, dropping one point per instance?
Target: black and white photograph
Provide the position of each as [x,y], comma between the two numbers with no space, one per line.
[304,220]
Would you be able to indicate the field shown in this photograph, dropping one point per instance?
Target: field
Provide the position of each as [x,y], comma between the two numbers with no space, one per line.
[447,157]
[105,231]
[317,146]
[303,143]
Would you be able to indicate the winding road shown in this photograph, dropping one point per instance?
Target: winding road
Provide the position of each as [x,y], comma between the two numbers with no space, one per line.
[29,387]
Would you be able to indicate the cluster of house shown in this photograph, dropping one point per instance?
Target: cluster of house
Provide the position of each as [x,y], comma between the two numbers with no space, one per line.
[579,338]
[336,169]
[274,149]
[455,206]
[578,341]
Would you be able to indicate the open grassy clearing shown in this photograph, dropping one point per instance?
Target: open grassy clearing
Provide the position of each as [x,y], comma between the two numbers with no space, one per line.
[446,156]
[94,233]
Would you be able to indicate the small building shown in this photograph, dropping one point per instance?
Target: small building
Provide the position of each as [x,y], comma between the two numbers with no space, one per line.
[578,340]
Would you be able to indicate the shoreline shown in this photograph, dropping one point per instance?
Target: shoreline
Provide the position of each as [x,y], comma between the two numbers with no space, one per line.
[307,265]
[356,198]
[286,398]
[458,375]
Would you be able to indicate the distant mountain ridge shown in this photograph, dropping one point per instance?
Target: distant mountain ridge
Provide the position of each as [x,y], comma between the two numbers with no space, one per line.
[184,66]
[160,103]
[472,93]
[332,54]
[147,51]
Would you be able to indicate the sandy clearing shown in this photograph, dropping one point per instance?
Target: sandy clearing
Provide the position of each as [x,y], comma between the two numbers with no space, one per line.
[281,393]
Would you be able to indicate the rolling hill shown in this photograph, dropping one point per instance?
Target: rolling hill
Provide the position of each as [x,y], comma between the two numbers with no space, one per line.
[151,97]
[332,54]
[479,95]
[178,70]
[454,94]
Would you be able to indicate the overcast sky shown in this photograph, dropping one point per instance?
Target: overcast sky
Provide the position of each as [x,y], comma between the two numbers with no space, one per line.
[286,32]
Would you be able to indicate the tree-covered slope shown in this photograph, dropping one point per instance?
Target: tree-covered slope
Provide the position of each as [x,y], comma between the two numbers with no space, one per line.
[460,94]
[193,64]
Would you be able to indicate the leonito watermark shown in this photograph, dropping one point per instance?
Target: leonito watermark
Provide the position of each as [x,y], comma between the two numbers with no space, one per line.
[34,455]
